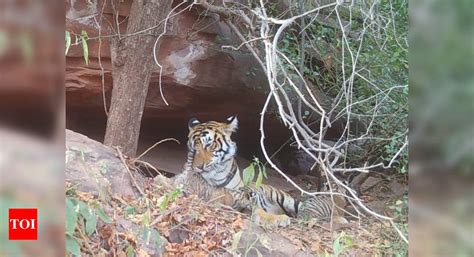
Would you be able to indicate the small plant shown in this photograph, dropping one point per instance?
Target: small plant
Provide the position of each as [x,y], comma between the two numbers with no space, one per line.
[81,221]
[169,198]
[79,39]
[400,214]
[249,172]
[400,208]
[340,244]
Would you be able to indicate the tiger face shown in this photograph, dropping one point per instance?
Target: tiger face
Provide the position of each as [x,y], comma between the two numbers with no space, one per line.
[210,144]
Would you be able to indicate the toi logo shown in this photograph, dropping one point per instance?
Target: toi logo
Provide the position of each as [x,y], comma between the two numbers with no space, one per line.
[22,224]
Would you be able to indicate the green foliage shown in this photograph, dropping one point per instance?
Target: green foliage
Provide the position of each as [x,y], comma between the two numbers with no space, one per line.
[129,210]
[79,39]
[400,207]
[103,216]
[83,218]
[71,217]
[400,214]
[169,198]
[340,244]
[85,48]
[130,251]
[377,68]
[151,233]
[72,246]
[249,172]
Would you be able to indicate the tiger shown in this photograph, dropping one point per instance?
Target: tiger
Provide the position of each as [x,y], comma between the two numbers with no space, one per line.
[211,154]
[193,183]
[275,201]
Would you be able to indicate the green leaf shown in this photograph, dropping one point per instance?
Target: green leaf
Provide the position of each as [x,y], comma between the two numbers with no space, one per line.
[91,223]
[336,246]
[146,218]
[146,234]
[71,216]
[249,174]
[164,204]
[262,168]
[151,236]
[129,210]
[68,41]
[169,197]
[72,246]
[348,242]
[259,180]
[85,48]
[130,251]
[157,237]
[103,168]
[83,209]
[103,216]
[89,216]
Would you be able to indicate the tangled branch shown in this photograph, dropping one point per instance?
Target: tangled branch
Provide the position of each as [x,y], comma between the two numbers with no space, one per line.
[262,32]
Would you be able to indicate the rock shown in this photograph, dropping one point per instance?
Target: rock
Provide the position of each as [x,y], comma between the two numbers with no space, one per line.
[94,167]
[397,188]
[369,183]
[154,246]
[267,244]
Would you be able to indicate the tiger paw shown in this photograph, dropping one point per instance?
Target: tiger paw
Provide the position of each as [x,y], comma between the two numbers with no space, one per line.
[340,220]
[264,218]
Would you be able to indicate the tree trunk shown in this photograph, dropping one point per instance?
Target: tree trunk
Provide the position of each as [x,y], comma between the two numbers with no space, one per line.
[132,65]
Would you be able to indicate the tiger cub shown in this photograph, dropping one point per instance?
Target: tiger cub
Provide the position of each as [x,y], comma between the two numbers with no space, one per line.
[275,201]
[323,208]
[193,184]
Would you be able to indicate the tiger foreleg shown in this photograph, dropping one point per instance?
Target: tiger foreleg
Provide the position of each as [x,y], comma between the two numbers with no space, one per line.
[263,218]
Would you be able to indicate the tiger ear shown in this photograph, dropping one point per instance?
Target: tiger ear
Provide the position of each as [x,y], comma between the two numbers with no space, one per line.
[232,123]
[193,122]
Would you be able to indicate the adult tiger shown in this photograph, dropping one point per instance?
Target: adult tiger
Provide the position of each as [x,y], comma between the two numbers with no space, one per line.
[211,152]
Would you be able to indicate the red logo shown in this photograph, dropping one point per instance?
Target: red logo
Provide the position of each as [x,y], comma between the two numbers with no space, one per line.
[22,224]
